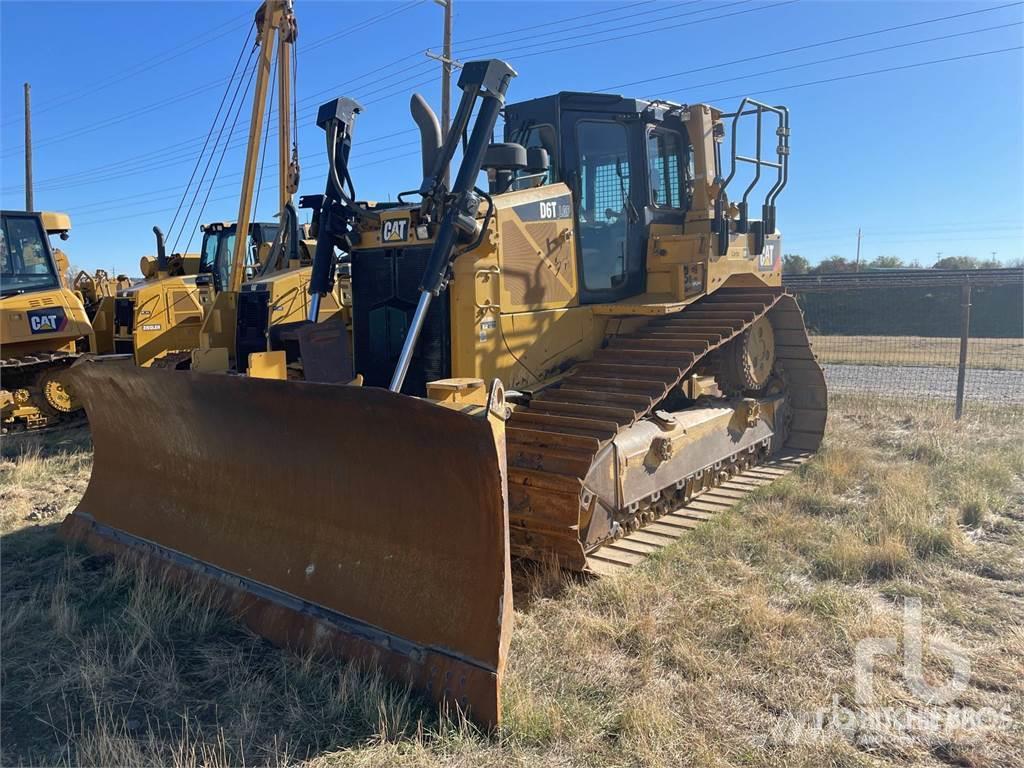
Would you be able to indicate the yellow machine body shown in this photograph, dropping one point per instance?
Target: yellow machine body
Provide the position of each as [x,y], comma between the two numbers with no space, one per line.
[43,325]
[579,364]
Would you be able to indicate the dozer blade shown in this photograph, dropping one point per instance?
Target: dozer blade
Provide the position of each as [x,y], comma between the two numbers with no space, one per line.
[339,519]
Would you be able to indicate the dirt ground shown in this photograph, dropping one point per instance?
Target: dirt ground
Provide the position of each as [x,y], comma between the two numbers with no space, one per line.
[744,644]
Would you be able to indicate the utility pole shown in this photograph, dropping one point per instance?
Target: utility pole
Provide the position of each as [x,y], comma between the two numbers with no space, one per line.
[856,265]
[446,72]
[29,203]
[448,64]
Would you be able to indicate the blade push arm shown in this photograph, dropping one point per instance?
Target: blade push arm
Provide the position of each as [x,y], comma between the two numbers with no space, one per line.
[336,208]
[488,81]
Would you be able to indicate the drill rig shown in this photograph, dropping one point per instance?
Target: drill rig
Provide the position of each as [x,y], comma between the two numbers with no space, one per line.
[580,362]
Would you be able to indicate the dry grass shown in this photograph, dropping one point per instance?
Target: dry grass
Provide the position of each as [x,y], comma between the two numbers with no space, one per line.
[994,354]
[697,658]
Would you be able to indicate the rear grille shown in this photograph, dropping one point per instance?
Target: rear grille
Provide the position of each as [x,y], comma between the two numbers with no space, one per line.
[385,290]
[124,315]
[253,321]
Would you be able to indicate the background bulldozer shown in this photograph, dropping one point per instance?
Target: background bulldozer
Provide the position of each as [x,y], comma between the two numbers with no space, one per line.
[558,366]
[158,321]
[43,325]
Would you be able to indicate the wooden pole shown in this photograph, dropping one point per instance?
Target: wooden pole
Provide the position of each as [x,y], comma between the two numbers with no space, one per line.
[446,79]
[29,202]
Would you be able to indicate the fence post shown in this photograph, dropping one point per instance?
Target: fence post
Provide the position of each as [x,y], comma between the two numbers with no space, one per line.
[965,331]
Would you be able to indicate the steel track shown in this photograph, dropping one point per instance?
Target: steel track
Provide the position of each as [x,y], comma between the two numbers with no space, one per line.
[553,442]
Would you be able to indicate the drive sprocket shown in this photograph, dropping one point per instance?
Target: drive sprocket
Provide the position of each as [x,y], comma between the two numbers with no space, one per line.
[745,364]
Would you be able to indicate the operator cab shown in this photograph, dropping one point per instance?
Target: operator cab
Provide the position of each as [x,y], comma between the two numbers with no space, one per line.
[219,246]
[628,164]
[26,260]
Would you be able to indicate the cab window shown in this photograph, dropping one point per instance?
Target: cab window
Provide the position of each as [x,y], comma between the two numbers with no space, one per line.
[666,165]
[604,210]
[25,261]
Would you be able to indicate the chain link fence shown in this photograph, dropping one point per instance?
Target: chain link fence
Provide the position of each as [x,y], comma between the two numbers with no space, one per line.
[955,335]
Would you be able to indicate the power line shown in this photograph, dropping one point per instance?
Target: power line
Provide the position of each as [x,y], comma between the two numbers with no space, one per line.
[116,119]
[199,186]
[547,24]
[152,196]
[209,133]
[521,54]
[833,41]
[152,63]
[144,163]
[855,75]
[355,166]
[859,53]
[362,25]
[556,30]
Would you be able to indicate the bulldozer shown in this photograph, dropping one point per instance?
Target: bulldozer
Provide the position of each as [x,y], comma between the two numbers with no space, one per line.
[43,325]
[578,363]
[158,320]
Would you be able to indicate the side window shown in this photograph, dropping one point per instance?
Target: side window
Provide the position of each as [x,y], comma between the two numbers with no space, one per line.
[209,258]
[666,164]
[604,171]
[604,211]
[25,258]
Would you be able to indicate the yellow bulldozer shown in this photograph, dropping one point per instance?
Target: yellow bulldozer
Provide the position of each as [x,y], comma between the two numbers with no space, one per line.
[578,363]
[158,320]
[43,325]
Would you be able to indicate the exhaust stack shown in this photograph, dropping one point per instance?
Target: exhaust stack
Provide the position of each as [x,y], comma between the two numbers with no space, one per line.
[430,130]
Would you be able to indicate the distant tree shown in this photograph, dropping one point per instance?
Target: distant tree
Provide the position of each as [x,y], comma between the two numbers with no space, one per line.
[831,265]
[966,262]
[795,264]
[887,262]
[1015,263]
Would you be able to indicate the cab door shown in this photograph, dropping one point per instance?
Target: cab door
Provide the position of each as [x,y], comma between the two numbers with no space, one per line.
[605,159]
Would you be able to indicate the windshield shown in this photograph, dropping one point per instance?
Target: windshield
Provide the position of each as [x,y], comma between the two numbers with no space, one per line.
[25,261]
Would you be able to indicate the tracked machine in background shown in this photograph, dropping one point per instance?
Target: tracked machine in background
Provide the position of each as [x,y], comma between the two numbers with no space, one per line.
[93,288]
[579,363]
[43,325]
[158,320]
[186,312]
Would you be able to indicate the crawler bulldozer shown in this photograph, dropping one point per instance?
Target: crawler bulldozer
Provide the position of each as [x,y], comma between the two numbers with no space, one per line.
[580,362]
[43,325]
[158,320]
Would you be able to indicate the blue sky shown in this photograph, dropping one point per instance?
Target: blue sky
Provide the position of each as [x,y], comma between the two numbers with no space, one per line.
[925,158]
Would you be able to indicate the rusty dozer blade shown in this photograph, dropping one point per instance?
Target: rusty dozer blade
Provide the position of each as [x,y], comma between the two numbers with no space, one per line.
[352,521]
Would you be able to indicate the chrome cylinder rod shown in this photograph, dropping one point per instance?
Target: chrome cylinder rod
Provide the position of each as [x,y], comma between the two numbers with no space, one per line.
[411,337]
[314,307]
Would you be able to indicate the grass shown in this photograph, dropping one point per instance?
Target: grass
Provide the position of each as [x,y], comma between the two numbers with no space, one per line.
[993,354]
[705,655]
